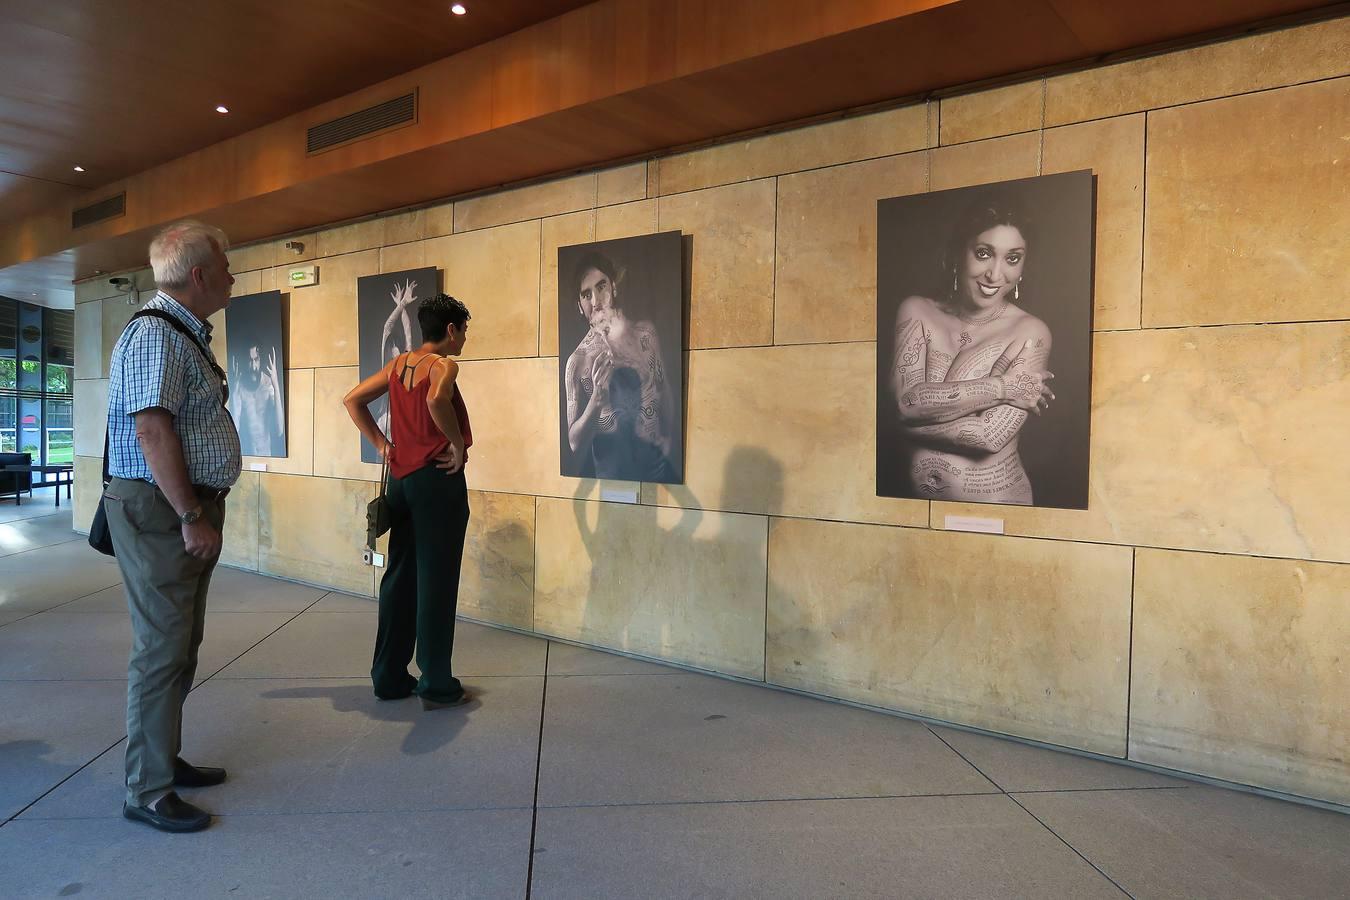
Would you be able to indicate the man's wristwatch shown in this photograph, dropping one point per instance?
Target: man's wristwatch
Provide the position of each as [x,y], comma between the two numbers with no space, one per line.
[191,515]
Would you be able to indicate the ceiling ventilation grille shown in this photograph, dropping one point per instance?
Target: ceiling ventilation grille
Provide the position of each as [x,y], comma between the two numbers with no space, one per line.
[363,123]
[100,211]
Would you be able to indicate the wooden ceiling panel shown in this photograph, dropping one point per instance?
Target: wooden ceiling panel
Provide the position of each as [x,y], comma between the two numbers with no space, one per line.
[121,86]
[26,195]
[614,80]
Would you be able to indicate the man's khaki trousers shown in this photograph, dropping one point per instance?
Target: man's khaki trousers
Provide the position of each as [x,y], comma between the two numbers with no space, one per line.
[166,596]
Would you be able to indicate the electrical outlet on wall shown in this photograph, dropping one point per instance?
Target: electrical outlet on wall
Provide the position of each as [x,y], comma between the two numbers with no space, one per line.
[371,558]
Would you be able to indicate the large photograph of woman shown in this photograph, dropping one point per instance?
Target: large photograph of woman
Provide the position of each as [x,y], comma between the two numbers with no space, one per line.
[386,316]
[984,312]
[621,372]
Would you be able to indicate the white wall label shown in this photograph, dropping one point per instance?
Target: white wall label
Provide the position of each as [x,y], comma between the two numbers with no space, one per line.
[973,523]
[619,494]
[257,467]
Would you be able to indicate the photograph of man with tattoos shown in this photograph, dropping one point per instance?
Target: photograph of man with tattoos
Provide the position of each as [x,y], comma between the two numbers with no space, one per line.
[977,352]
[620,334]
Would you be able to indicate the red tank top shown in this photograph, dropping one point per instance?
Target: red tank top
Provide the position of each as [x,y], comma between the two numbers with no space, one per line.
[417,440]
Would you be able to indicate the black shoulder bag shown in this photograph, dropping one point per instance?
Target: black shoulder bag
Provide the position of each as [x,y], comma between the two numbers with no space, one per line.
[377,510]
[100,538]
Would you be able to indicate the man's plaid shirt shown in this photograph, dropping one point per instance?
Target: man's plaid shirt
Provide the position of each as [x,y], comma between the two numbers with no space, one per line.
[153,365]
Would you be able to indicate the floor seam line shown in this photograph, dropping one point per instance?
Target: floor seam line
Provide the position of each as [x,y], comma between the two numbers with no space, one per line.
[1075,850]
[964,759]
[538,766]
[644,804]
[96,757]
[194,687]
[118,583]
[255,645]
[311,813]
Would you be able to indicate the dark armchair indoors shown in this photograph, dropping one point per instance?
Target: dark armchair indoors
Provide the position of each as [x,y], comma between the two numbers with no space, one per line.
[12,483]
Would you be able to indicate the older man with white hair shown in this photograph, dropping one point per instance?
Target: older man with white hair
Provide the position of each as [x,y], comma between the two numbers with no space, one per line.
[173,454]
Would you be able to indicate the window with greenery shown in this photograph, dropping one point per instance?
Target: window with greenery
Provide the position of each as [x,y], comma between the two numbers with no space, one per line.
[7,424]
[37,382]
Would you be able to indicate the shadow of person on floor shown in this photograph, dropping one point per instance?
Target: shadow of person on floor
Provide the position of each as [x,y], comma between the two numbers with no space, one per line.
[431,729]
[26,773]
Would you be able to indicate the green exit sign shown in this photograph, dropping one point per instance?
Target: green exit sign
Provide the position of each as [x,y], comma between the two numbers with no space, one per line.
[303,276]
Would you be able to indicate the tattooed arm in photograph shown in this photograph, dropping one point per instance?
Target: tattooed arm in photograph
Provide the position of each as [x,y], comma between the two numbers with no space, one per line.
[586,386]
[920,402]
[991,430]
[656,375]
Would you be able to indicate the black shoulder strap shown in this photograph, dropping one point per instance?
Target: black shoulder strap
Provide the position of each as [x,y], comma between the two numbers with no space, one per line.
[181,329]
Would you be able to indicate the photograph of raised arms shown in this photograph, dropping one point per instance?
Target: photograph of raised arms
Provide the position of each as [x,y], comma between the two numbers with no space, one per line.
[984,316]
[621,369]
[386,311]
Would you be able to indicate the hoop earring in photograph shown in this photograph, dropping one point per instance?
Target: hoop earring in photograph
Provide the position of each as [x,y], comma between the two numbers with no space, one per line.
[1016,290]
[953,282]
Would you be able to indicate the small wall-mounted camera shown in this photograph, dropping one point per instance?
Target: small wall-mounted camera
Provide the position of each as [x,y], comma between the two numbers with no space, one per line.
[296,247]
[126,286]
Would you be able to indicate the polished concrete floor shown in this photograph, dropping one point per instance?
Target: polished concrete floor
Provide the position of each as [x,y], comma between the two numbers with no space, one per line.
[575,774]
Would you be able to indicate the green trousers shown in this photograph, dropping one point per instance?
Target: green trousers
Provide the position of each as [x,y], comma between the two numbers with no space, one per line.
[429,511]
[166,596]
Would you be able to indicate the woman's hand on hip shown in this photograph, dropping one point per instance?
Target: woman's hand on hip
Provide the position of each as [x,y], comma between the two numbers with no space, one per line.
[451,460]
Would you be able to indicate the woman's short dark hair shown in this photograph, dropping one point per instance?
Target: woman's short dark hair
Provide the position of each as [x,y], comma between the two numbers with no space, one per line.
[436,315]
[593,259]
[986,211]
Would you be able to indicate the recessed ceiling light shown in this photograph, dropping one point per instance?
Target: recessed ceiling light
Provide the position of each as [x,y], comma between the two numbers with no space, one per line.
[222,109]
[459,9]
[79,168]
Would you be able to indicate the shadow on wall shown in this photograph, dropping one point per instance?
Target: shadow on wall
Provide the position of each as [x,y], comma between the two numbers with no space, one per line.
[643,605]
[500,585]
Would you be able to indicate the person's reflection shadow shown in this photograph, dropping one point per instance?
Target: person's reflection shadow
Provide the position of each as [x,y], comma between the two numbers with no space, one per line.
[642,591]
[622,560]
[431,730]
[752,481]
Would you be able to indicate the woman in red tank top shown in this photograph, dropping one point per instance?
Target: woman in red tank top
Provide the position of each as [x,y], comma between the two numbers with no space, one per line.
[428,500]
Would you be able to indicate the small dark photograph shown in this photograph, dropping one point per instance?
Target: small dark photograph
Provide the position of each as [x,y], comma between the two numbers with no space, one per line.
[620,359]
[386,316]
[257,373]
[984,343]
